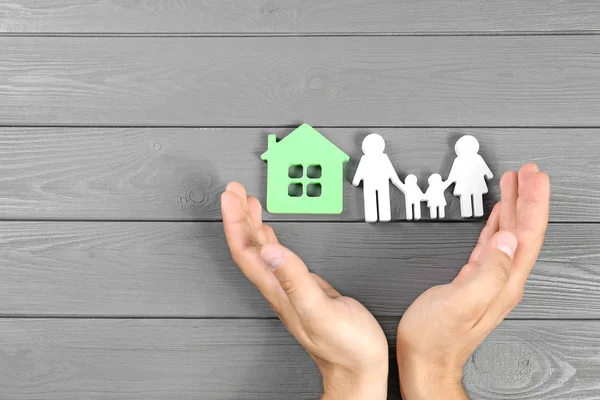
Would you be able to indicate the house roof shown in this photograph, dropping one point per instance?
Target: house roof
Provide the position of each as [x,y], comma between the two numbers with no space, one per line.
[305,138]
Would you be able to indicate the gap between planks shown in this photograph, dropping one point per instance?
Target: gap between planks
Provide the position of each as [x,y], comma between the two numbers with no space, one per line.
[294,126]
[385,318]
[278,221]
[285,34]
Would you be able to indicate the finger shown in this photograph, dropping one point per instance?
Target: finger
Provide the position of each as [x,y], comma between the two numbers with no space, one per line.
[238,235]
[235,222]
[255,269]
[526,172]
[508,202]
[307,298]
[326,287]
[240,191]
[533,213]
[534,210]
[491,227]
[271,237]
[485,283]
[534,205]
[255,212]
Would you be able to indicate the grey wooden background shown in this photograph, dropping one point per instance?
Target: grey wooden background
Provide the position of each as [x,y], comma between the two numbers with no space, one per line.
[122,121]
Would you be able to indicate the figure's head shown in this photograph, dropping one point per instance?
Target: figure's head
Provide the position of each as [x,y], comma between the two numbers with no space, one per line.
[411,179]
[373,144]
[435,179]
[466,145]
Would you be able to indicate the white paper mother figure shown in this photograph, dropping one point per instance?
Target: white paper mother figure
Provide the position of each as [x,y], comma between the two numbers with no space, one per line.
[375,170]
[469,172]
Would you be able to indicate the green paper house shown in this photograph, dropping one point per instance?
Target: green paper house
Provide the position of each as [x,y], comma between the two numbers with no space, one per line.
[305,174]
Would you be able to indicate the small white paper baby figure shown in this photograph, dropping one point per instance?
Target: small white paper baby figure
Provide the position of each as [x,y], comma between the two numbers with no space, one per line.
[375,170]
[436,201]
[413,197]
[469,172]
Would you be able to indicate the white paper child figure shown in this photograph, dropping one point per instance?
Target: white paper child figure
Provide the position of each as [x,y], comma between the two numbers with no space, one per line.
[413,197]
[375,170]
[469,172]
[436,201]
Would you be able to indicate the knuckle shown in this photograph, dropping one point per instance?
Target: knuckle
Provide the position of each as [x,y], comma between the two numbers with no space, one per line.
[501,268]
[499,276]
[289,286]
[502,271]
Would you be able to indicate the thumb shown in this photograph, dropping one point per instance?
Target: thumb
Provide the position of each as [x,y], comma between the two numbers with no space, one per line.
[305,294]
[492,272]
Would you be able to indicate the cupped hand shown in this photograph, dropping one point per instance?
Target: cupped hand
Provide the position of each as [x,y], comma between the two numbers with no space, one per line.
[445,324]
[341,336]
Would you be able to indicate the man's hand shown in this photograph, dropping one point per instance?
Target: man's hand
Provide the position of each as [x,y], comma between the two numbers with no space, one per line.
[341,336]
[446,323]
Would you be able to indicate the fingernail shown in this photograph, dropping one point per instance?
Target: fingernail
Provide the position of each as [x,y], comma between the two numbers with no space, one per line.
[272,255]
[507,243]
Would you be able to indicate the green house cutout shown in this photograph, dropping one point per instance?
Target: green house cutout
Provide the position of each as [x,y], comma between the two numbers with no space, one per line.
[305,173]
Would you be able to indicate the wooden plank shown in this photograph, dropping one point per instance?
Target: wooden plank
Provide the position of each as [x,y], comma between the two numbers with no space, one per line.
[297,17]
[335,81]
[179,174]
[184,269]
[536,360]
[257,359]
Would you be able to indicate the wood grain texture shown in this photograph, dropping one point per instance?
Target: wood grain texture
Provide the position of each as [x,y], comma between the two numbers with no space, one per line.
[296,16]
[246,359]
[336,81]
[179,174]
[185,270]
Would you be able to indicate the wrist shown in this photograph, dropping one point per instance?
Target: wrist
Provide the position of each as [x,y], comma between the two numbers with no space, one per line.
[432,390]
[421,381]
[351,386]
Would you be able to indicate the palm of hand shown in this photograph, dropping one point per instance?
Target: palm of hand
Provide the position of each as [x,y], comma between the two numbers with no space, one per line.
[338,332]
[446,323]
[350,336]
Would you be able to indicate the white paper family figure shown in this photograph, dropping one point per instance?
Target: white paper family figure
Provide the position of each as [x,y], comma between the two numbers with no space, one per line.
[436,201]
[469,172]
[413,196]
[375,170]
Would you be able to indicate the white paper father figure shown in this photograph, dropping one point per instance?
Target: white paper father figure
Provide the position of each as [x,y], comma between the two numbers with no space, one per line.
[375,170]
[469,173]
